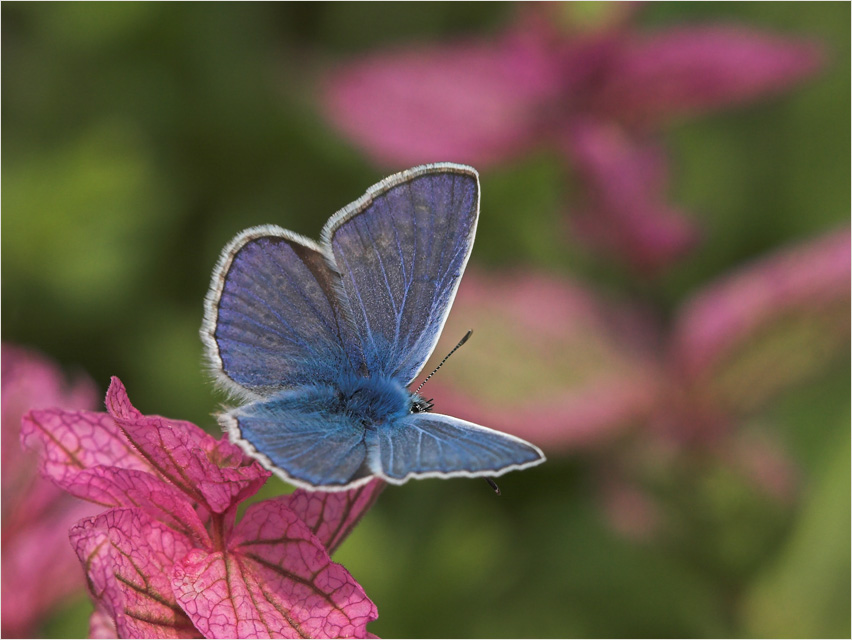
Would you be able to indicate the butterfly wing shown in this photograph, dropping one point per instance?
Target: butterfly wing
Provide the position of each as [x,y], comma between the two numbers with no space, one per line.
[297,435]
[425,445]
[274,317]
[401,250]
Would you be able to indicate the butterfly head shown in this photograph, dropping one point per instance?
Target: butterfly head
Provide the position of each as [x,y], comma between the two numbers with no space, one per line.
[420,405]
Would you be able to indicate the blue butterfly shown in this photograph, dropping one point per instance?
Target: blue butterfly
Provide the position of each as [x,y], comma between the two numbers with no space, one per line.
[323,340]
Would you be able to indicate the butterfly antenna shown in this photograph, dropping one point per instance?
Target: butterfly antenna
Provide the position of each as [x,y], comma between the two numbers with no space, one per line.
[446,357]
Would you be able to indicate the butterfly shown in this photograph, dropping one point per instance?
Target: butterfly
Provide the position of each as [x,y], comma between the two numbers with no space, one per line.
[323,340]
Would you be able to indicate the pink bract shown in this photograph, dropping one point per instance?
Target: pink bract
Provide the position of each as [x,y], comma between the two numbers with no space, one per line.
[272,552]
[623,208]
[213,472]
[333,515]
[39,568]
[169,559]
[485,102]
[472,102]
[769,324]
[687,71]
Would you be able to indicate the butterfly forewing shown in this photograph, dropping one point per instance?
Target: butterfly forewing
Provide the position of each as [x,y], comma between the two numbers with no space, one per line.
[401,251]
[274,318]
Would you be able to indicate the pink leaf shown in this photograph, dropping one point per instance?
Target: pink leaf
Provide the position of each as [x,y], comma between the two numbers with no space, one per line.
[332,515]
[129,558]
[101,626]
[213,472]
[767,325]
[472,102]
[689,70]
[72,460]
[626,211]
[274,580]
[328,601]
[114,487]
[70,441]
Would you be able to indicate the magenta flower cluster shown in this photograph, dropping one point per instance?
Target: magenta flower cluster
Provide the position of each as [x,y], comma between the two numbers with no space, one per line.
[169,558]
[599,98]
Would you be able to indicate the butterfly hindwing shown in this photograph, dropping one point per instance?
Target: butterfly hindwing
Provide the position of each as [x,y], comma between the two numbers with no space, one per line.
[298,436]
[435,445]
[401,251]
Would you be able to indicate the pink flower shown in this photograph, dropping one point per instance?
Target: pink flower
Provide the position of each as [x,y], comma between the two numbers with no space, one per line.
[168,559]
[39,568]
[600,98]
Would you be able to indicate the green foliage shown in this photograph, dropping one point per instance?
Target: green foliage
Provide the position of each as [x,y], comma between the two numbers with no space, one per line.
[805,592]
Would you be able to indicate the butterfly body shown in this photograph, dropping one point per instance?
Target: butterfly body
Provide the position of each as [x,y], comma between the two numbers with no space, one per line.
[323,340]
[375,401]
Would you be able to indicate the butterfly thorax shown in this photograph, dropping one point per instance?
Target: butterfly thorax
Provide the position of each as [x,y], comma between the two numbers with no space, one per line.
[374,400]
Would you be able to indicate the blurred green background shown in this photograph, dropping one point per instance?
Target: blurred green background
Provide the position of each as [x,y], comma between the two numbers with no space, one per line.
[139,138]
